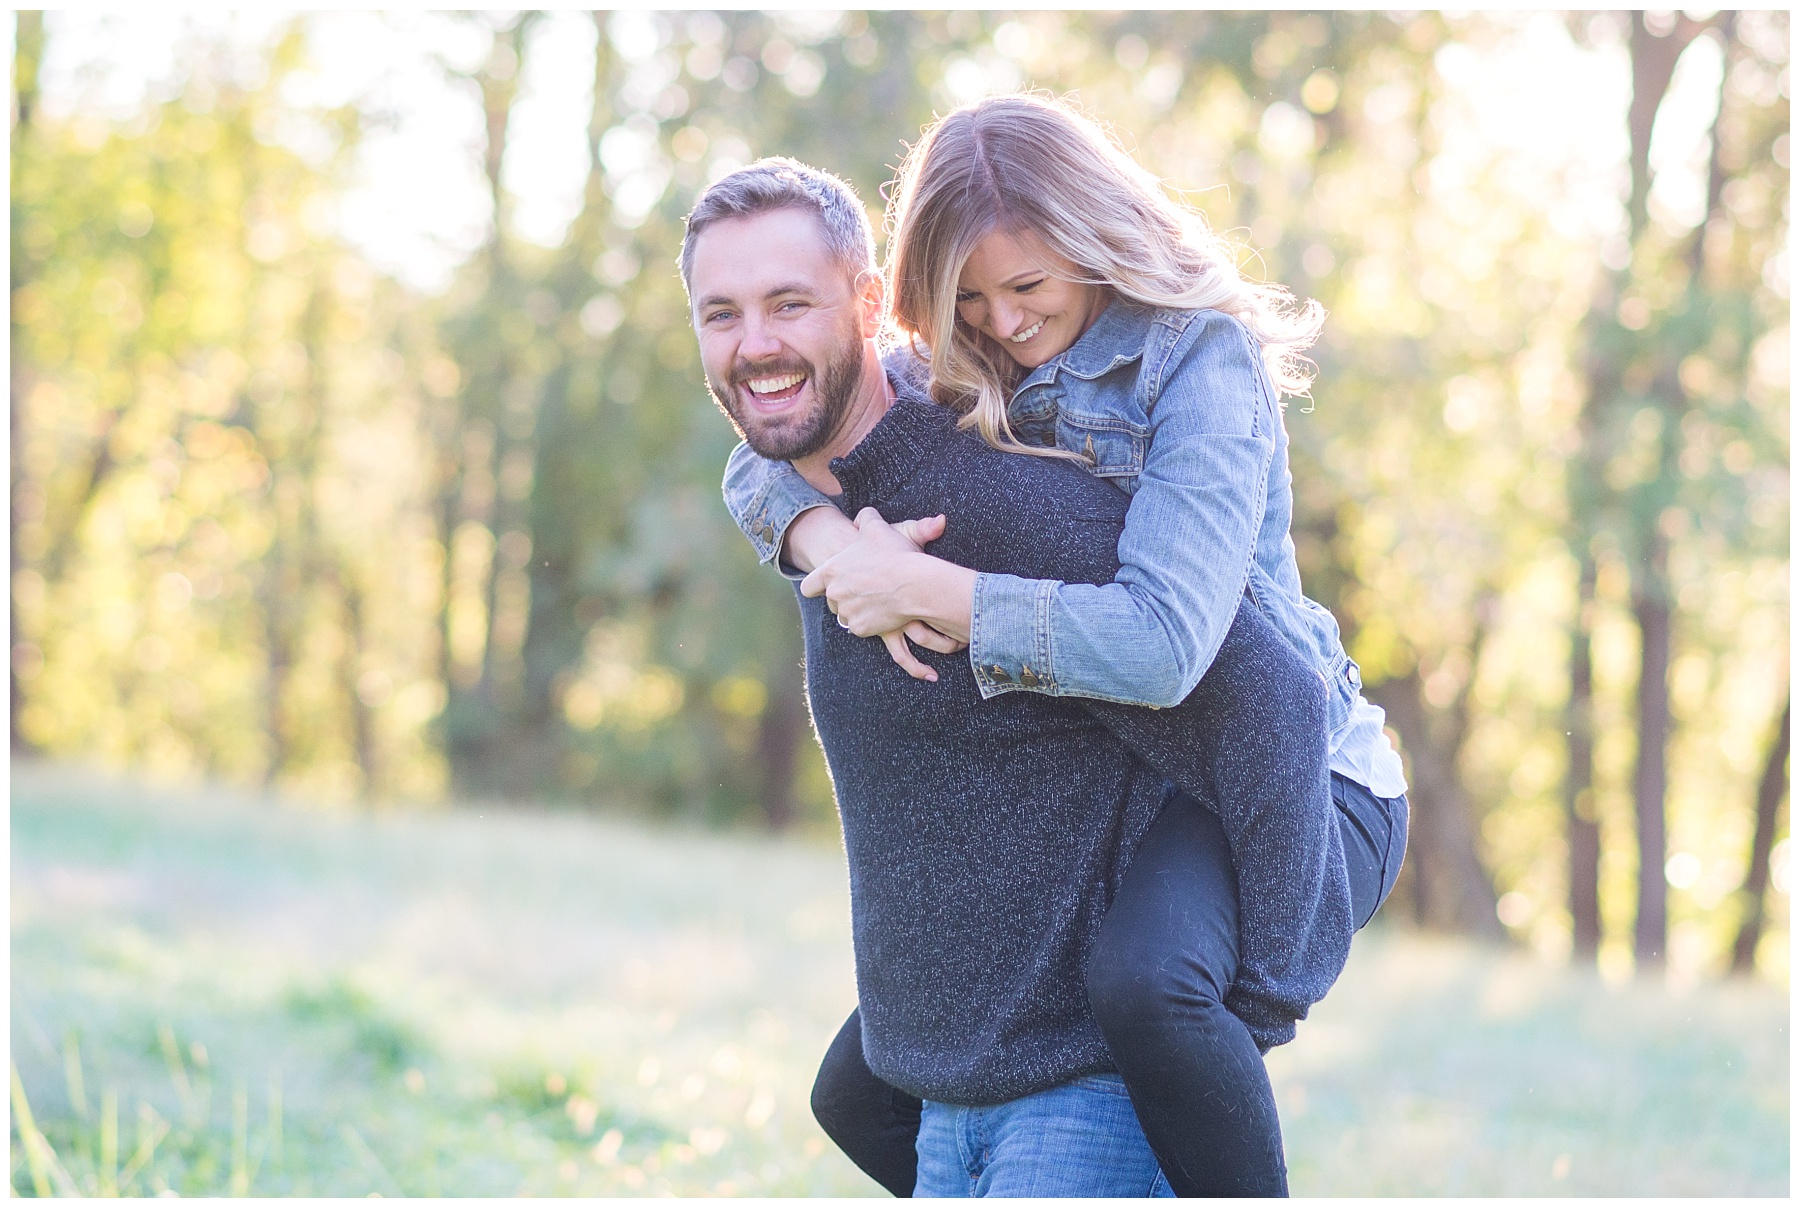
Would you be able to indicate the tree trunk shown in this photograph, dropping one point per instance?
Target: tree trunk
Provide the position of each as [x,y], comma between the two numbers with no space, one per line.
[28,49]
[557,619]
[1578,787]
[1655,623]
[362,717]
[472,725]
[1653,60]
[291,441]
[1769,795]
[778,746]
[1653,67]
[499,87]
[28,54]
[1451,889]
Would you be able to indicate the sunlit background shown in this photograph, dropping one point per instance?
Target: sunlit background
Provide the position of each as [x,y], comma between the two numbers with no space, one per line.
[366,541]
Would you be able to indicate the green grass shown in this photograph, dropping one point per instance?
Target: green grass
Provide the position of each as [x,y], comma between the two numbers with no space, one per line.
[216,995]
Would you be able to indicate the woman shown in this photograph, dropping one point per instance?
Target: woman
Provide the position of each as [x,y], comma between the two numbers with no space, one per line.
[1071,310]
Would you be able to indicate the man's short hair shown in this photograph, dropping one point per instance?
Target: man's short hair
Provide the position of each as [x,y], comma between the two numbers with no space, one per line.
[779,183]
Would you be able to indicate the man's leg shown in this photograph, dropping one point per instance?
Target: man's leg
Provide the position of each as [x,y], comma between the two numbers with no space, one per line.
[876,1125]
[1166,955]
[1078,1140]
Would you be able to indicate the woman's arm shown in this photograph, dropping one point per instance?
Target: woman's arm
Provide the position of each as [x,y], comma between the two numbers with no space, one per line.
[816,536]
[1184,557]
[881,580]
[1190,535]
[766,499]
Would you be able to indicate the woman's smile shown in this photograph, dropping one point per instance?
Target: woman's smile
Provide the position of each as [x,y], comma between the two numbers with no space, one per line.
[1021,295]
[1027,334]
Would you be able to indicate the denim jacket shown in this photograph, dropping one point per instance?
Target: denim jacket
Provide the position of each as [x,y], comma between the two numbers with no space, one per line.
[1175,408]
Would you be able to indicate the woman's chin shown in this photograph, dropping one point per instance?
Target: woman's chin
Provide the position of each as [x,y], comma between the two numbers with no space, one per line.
[1032,356]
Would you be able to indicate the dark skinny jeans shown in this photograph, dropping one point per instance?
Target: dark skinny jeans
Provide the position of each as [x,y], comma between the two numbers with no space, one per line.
[1166,954]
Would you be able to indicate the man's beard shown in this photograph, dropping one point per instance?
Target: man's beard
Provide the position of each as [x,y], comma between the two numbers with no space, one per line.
[793,436]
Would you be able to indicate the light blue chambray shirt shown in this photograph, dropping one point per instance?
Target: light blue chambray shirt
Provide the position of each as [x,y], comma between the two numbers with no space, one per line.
[1175,408]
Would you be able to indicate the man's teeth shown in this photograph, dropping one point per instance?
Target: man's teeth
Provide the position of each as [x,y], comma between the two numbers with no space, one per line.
[1028,332]
[774,385]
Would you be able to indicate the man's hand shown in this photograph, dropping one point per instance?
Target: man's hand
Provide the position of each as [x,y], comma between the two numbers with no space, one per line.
[883,583]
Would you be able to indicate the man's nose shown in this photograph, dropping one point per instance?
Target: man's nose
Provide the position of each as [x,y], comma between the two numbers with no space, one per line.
[758,341]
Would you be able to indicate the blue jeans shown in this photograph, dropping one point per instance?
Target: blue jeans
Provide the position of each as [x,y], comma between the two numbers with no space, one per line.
[1080,1139]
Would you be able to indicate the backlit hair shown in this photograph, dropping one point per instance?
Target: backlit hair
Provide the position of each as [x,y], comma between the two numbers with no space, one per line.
[779,183]
[1029,163]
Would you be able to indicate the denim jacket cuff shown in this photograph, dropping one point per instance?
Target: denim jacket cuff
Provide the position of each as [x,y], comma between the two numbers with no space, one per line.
[766,524]
[1009,635]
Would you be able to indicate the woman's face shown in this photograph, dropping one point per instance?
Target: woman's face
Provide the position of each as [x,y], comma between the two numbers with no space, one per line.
[1017,292]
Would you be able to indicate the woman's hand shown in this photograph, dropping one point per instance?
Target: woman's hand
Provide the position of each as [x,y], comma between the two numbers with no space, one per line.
[883,584]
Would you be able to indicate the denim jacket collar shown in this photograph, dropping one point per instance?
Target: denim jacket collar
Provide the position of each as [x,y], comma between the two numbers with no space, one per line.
[1116,338]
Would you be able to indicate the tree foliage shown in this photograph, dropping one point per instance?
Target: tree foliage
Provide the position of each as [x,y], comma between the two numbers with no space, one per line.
[277,517]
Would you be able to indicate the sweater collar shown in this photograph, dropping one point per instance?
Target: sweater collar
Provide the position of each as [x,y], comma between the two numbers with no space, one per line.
[911,431]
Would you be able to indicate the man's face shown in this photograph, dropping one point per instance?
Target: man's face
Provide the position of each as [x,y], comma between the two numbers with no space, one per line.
[782,326]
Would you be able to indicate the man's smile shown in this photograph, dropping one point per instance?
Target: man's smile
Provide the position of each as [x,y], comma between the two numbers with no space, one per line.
[778,388]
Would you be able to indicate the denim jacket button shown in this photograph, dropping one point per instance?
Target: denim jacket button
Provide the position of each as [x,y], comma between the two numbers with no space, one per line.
[1028,677]
[999,674]
[768,533]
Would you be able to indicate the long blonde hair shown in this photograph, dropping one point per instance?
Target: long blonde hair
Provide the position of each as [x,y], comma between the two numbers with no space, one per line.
[1028,162]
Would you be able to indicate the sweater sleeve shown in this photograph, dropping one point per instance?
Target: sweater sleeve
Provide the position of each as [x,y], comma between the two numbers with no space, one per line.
[1250,744]
[1249,741]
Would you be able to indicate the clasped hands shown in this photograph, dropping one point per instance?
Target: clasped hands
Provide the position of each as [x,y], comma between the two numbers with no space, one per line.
[884,584]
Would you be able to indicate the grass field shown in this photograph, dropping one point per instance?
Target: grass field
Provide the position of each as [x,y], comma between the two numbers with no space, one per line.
[216,995]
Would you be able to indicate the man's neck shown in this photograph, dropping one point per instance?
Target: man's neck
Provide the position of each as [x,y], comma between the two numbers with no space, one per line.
[874,395]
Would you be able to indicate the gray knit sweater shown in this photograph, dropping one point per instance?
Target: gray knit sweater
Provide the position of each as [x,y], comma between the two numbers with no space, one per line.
[987,838]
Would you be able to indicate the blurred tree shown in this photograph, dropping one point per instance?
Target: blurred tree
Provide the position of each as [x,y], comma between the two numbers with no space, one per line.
[28,39]
[1771,790]
[490,324]
[1667,329]
[199,369]
[276,517]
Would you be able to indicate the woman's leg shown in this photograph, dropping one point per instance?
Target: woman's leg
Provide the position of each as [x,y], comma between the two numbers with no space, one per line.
[1168,951]
[1166,955]
[1373,830]
[875,1124]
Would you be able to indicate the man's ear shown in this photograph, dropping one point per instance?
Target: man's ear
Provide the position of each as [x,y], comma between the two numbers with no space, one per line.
[871,291]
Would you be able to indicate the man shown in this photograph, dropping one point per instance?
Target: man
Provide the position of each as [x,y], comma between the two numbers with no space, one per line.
[986,840]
